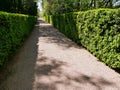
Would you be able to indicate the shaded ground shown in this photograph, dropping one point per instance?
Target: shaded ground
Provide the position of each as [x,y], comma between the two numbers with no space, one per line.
[117,70]
[50,61]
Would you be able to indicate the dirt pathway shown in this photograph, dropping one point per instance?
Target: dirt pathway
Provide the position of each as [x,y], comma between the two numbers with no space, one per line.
[50,61]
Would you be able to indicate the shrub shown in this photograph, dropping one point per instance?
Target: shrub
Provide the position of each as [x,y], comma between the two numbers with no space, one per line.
[97,30]
[13,30]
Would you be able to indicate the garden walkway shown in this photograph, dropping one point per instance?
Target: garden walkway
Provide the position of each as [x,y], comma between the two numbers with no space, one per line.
[50,61]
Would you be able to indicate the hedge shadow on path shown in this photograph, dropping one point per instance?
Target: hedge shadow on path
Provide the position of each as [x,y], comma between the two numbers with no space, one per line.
[18,72]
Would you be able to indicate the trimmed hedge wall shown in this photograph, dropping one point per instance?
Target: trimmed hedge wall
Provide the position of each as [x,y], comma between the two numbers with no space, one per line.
[97,30]
[13,30]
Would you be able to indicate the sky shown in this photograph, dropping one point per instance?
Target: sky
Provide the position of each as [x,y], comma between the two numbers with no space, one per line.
[39,5]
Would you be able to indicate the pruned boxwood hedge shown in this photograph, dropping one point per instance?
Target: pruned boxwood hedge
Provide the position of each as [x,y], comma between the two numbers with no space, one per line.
[97,30]
[13,30]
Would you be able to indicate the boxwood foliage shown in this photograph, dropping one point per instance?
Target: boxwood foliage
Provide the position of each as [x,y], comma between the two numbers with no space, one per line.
[97,30]
[13,30]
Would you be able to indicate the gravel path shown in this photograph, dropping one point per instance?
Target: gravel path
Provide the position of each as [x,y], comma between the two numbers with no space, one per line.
[50,61]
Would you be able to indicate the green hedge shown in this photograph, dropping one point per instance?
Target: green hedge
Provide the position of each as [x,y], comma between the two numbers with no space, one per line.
[13,30]
[97,30]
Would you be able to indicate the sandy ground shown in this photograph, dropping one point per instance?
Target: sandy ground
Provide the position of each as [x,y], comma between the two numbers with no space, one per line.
[50,61]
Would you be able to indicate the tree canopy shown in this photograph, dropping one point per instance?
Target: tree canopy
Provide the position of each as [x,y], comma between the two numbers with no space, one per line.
[64,6]
[19,6]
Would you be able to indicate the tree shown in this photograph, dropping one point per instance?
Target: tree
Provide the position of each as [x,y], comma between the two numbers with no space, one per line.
[19,6]
[64,6]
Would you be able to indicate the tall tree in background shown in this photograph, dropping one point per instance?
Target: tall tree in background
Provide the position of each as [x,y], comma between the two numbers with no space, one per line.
[19,6]
[51,7]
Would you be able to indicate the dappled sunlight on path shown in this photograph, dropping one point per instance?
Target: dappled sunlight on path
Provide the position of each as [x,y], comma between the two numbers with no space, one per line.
[50,61]
[62,65]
